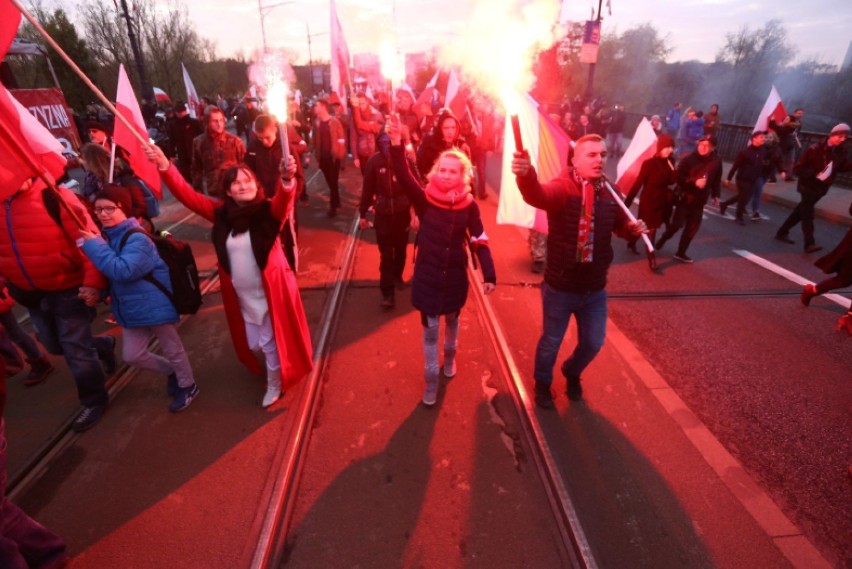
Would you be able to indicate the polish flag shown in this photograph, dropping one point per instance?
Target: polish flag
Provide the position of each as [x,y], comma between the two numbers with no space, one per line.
[339,56]
[454,98]
[642,147]
[127,105]
[193,101]
[773,108]
[28,149]
[161,96]
[429,92]
[547,145]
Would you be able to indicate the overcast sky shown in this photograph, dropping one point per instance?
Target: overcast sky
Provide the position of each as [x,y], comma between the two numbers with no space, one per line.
[820,29]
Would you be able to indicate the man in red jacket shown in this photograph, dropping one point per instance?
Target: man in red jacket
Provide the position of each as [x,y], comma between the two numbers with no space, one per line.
[47,273]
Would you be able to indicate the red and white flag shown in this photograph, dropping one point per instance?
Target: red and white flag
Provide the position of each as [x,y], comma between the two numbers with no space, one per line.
[339,56]
[429,92]
[27,148]
[643,146]
[773,108]
[127,105]
[547,145]
[193,101]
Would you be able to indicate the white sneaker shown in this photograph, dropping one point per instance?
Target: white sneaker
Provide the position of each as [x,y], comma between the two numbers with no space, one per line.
[430,395]
[273,394]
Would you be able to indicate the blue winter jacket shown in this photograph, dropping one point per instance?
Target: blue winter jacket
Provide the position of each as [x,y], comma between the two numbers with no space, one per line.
[135,301]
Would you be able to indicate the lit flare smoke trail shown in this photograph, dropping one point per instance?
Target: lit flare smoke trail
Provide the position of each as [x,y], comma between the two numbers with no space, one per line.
[393,66]
[495,53]
[270,73]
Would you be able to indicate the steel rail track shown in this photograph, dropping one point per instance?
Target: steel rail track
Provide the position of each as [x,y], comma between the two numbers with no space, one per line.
[290,457]
[562,506]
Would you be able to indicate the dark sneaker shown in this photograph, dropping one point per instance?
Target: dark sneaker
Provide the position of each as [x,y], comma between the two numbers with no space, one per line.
[183,398]
[722,207]
[543,396]
[756,216]
[87,418]
[108,360]
[39,372]
[574,390]
[813,248]
[387,302]
[683,257]
[172,385]
[783,237]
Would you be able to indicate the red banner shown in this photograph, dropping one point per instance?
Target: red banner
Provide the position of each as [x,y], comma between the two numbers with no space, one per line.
[48,106]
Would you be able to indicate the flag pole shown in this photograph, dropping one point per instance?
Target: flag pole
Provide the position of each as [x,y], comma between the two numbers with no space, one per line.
[78,71]
[652,261]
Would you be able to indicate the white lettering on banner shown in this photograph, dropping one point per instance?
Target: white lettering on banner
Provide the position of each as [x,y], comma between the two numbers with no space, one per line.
[51,116]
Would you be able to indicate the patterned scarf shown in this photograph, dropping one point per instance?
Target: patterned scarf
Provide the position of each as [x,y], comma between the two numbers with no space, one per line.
[455,198]
[586,234]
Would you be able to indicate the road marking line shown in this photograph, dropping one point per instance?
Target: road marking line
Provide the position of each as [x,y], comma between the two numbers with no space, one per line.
[789,275]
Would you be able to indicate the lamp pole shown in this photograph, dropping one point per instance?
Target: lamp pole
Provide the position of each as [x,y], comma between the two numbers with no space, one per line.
[264,10]
[147,91]
[310,56]
[590,84]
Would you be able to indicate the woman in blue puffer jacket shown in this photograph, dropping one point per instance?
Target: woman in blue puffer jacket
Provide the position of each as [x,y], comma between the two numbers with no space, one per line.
[139,307]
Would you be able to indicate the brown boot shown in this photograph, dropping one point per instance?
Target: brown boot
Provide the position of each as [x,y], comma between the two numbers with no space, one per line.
[39,371]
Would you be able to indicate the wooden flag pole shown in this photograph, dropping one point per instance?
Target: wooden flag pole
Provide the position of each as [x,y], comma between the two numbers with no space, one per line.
[79,72]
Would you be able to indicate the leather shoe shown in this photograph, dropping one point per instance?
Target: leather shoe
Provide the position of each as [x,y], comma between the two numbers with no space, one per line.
[813,248]
[543,396]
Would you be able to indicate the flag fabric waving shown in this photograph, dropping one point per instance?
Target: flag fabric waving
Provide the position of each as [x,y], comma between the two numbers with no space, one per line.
[28,149]
[10,19]
[547,145]
[128,106]
[643,146]
[339,56]
[773,108]
[193,101]
[428,93]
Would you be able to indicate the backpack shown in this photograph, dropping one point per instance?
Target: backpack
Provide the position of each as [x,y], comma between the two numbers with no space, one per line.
[152,205]
[183,272]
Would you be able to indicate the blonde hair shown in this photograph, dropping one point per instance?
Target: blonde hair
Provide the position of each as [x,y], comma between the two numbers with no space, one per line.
[467,165]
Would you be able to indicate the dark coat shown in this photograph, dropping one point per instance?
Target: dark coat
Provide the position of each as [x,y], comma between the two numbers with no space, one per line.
[381,189]
[440,267]
[561,198]
[814,160]
[691,169]
[839,260]
[655,179]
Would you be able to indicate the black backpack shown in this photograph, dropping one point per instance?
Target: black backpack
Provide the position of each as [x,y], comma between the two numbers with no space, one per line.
[183,272]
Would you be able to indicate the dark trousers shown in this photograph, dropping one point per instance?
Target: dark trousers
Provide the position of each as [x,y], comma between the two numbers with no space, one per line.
[804,213]
[392,238]
[330,168]
[745,189]
[687,216]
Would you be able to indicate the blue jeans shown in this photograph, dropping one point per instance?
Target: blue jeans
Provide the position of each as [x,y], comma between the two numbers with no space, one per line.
[758,192]
[590,310]
[62,323]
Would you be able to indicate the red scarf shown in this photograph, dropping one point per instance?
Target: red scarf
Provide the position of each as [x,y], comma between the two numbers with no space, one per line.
[586,234]
[454,197]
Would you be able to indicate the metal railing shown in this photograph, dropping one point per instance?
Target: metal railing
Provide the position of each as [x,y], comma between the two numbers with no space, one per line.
[735,137]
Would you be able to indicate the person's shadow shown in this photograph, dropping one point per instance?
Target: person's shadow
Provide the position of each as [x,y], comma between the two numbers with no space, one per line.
[370,506]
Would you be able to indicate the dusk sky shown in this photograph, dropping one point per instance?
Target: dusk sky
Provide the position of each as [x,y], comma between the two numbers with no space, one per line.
[820,29]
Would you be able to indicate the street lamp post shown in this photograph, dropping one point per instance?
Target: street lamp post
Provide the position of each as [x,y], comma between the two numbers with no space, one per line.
[264,10]
[310,56]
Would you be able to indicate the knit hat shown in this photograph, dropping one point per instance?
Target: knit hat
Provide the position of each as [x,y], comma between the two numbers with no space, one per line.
[664,141]
[841,128]
[93,124]
[119,195]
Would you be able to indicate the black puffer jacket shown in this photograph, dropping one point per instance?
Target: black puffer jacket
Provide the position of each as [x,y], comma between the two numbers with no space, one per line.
[381,189]
[562,200]
[440,269]
[433,143]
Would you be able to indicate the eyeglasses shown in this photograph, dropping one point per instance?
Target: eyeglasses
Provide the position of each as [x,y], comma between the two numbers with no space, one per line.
[107,209]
